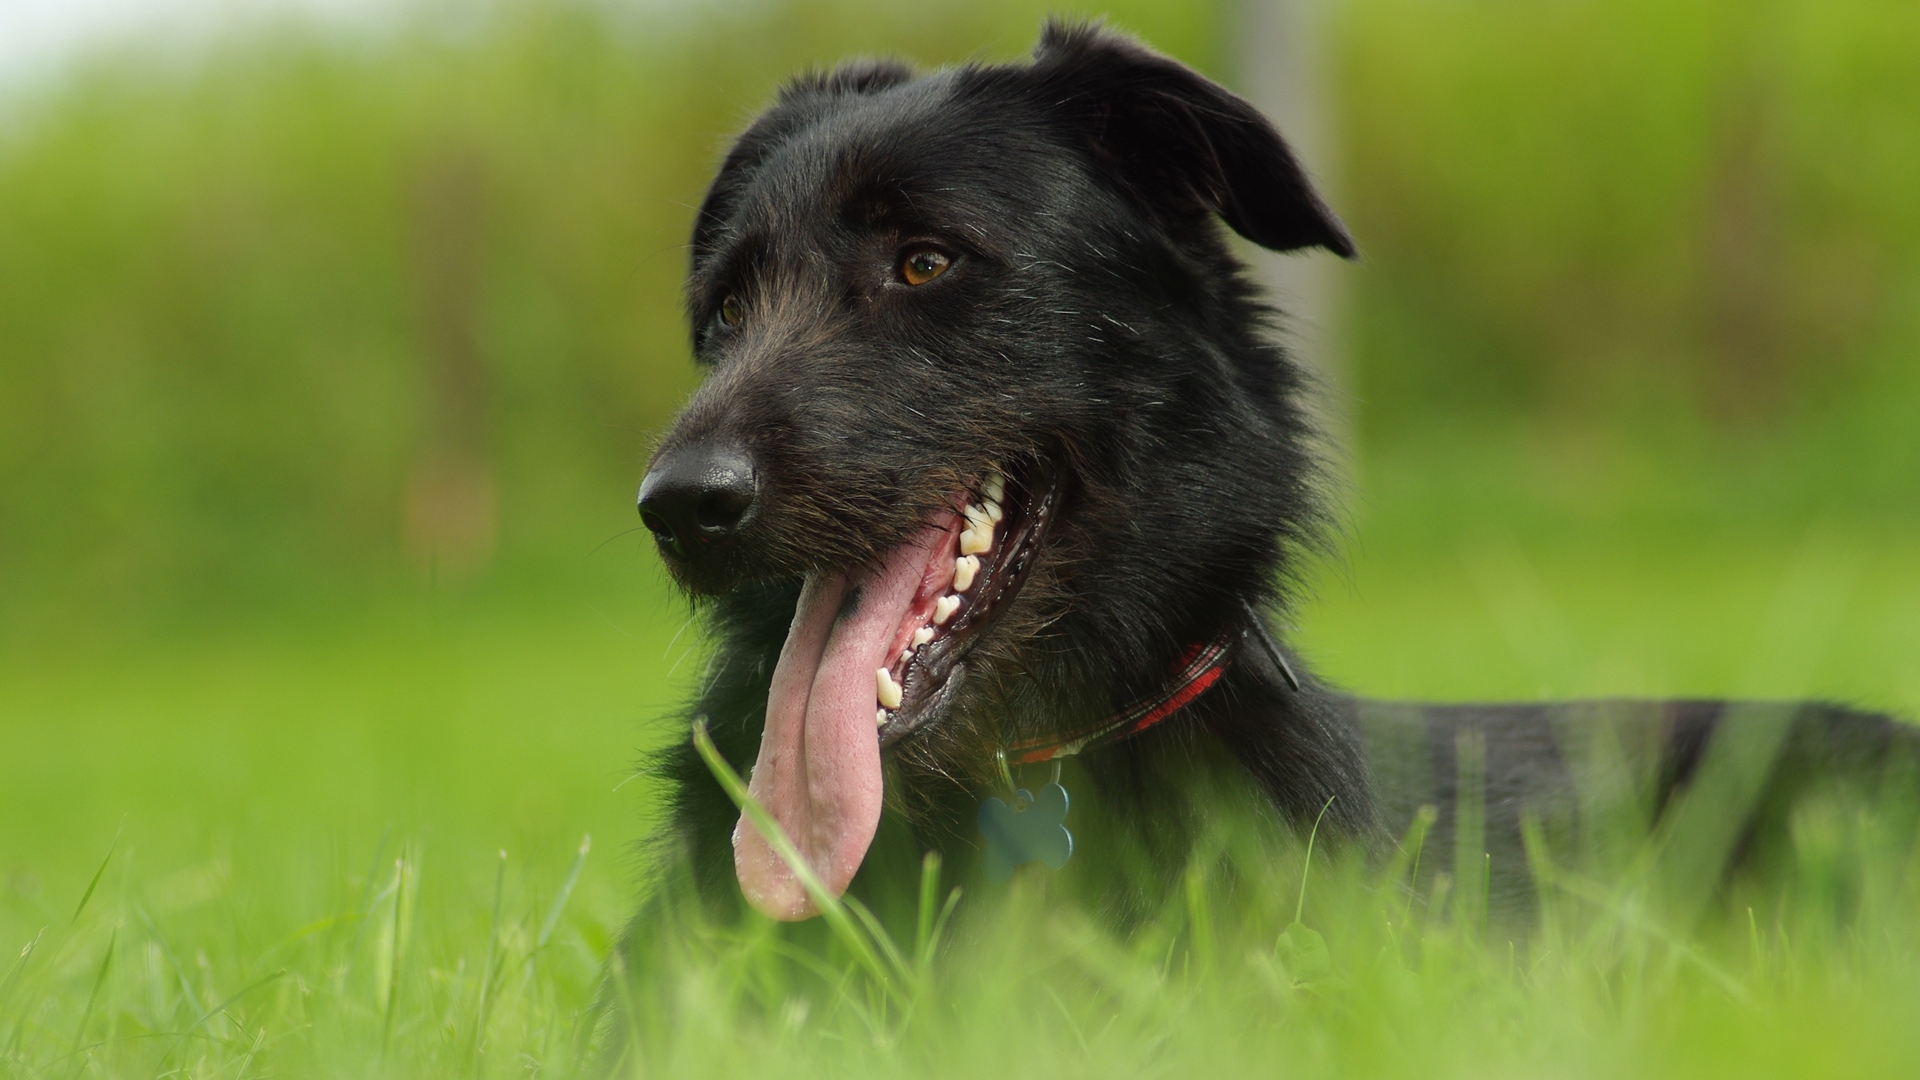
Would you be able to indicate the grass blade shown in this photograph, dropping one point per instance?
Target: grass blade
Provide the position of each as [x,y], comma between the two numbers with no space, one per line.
[493,954]
[1199,915]
[566,890]
[831,909]
[1307,866]
[97,875]
[93,996]
[187,992]
[1403,869]
[1540,863]
[368,900]
[929,896]
[160,1066]
[1470,832]
[19,968]
[879,936]
[940,923]
[395,951]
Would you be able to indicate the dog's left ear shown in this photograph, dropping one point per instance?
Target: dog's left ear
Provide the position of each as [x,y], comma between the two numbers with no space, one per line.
[1181,144]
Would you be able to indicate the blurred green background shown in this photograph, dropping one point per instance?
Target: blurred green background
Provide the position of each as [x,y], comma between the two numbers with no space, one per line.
[329,363]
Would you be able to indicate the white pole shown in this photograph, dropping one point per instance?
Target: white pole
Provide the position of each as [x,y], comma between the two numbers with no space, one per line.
[1283,65]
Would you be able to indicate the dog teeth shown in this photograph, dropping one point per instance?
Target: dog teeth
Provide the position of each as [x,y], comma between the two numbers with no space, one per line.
[964,568]
[995,488]
[977,537]
[888,690]
[906,655]
[880,718]
[944,608]
[994,513]
[922,636]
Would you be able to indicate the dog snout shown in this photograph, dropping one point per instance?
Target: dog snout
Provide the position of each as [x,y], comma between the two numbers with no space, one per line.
[697,499]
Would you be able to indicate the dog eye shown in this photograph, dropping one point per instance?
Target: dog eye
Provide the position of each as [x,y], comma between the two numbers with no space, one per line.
[922,265]
[731,312]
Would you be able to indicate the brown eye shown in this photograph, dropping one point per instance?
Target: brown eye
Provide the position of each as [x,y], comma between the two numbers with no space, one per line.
[731,313]
[923,265]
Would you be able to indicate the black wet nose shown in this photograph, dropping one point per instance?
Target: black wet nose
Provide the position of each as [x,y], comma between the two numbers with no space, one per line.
[696,497]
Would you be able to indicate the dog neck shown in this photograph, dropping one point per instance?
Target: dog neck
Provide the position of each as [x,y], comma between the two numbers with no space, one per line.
[1200,666]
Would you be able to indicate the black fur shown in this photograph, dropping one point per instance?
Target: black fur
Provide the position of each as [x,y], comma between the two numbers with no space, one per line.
[1094,318]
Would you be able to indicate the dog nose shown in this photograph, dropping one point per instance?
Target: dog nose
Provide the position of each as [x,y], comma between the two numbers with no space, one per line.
[697,496]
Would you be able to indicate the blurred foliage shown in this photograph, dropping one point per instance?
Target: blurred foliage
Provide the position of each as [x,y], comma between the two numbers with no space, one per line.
[309,304]
[307,309]
[1693,216]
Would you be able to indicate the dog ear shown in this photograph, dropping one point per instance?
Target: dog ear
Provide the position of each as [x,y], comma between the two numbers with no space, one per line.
[1180,143]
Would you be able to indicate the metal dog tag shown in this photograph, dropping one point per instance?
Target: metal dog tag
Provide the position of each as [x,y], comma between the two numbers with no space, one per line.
[1031,830]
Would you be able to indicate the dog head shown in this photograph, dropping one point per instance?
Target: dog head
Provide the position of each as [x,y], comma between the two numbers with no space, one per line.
[983,375]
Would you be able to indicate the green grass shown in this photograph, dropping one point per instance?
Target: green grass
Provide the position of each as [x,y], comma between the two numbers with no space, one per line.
[297,830]
[267,785]
[1484,569]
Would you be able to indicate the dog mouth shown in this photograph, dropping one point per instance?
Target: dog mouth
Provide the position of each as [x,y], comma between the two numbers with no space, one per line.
[876,653]
[994,540]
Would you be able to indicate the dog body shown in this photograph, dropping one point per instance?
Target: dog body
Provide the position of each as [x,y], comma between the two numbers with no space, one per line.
[993,440]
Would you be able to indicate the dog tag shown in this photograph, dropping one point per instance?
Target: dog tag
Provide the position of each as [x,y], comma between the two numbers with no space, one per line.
[1031,830]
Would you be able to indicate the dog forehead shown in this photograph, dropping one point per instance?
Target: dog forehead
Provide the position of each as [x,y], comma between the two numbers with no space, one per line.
[931,154]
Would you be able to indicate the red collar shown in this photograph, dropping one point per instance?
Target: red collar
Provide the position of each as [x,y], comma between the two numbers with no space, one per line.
[1200,666]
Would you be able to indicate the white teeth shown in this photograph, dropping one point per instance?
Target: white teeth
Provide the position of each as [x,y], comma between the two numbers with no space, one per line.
[994,513]
[977,540]
[995,488]
[906,655]
[944,608]
[888,690]
[922,636]
[964,568]
[978,536]
[880,718]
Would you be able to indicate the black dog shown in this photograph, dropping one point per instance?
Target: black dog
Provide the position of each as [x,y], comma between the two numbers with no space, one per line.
[996,464]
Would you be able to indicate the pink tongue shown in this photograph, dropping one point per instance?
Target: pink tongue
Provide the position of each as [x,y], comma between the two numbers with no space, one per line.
[819,767]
